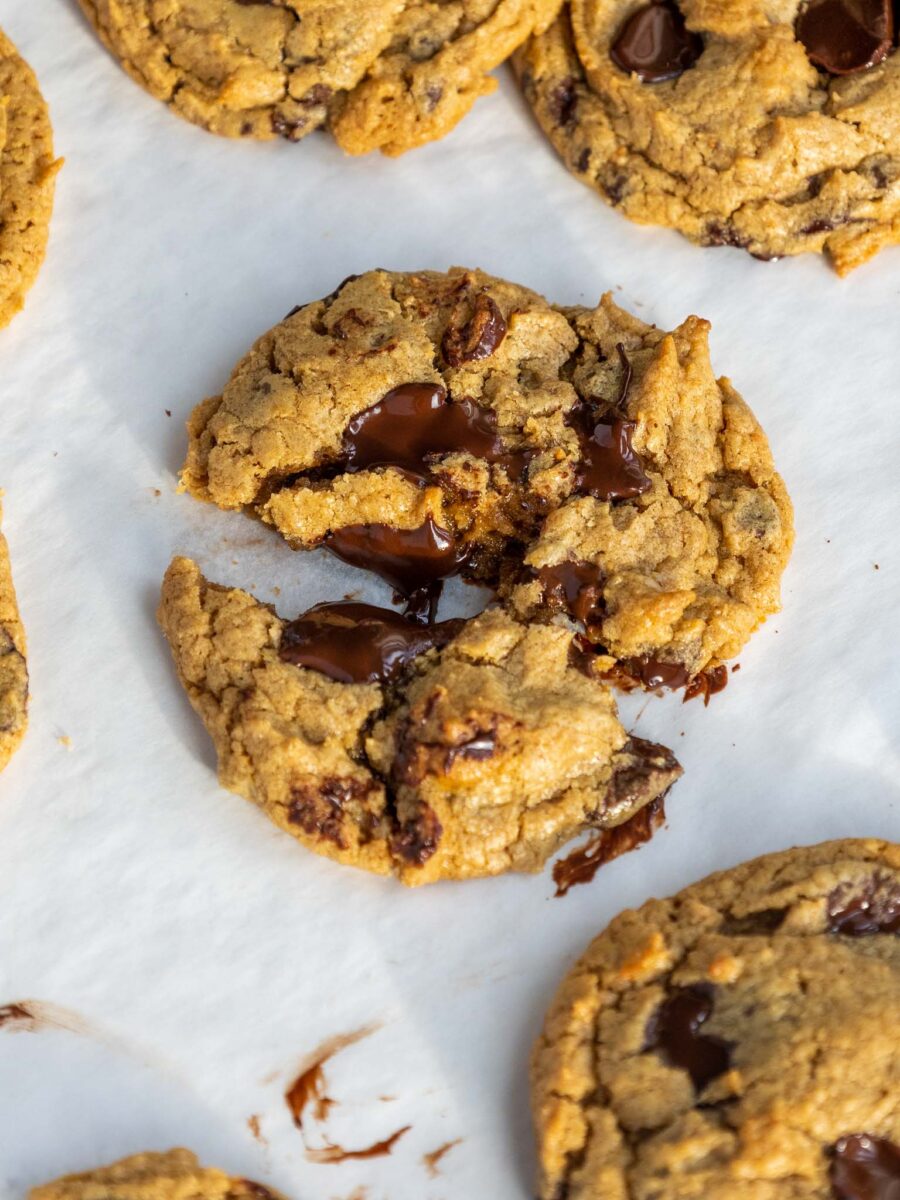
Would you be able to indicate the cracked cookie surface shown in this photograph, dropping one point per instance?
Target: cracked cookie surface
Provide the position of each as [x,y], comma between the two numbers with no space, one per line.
[552,441]
[479,754]
[737,1041]
[173,1175]
[380,74]
[13,668]
[27,179]
[752,145]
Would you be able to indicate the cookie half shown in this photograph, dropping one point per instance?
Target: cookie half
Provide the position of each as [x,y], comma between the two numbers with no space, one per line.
[13,669]
[449,751]
[380,74]
[174,1175]
[772,127]
[27,179]
[737,1041]
[588,465]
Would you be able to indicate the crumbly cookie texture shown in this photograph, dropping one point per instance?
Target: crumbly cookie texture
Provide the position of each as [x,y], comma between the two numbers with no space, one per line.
[13,669]
[381,74]
[735,1042]
[27,179]
[751,146]
[484,756]
[174,1175]
[684,528]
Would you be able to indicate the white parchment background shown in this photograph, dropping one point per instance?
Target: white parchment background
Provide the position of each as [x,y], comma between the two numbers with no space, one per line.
[205,953]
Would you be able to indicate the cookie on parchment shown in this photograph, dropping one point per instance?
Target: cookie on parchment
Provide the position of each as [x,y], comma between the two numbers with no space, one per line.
[27,179]
[737,1041]
[590,466]
[444,751]
[173,1175]
[13,669]
[770,126]
[380,74]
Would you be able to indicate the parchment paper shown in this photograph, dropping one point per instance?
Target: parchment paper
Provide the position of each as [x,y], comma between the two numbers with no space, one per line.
[198,955]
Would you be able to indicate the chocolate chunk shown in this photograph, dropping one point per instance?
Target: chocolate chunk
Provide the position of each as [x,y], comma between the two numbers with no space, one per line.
[610,468]
[643,769]
[575,588]
[410,559]
[563,102]
[865,1167]
[319,809]
[674,1032]
[417,837]
[359,643]
[846,36]
[478,337]
[583,864]
[862,913]
[655,44]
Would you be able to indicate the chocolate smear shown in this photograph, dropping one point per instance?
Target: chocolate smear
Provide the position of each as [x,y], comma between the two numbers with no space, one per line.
[655,44]
[863,913]
[359,643]
[865,1167]
[583,863]
[674,1032]
[330,1153]
[846,36]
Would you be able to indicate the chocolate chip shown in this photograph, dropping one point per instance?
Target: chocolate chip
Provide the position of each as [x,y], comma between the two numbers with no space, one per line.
[418,837]
[674,1032]
[862,913]
[359,643]
[865,1167]
[319,809]
[655,44]
[563,101]
[478,337]
[575,588]
[846,36]
[583,161]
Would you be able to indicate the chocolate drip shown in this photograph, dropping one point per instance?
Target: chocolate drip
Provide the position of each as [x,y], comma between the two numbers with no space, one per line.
[865,1167]
[359,643]
[846,36]
[674,1032]
[655,44]
[583,864]
[651,673]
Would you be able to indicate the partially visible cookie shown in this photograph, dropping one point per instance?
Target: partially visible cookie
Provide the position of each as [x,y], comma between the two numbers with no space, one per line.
[738,1041]
[446,751]
[174,1175]
[770,126]
[423,425]
[27,179]
[13,669]
[381,74]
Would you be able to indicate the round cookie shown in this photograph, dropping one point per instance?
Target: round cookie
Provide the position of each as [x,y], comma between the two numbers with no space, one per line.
[588,465]
[447,751]
[717,120]
[27,179]
[737,1041]
[13,669]
[381,74]
[173,1175]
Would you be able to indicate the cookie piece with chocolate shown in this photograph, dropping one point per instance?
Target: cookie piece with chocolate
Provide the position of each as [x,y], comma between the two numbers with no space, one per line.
[380,74]
[173,1175]
[447,751]
[27,179]
[737,1040]
[13,668]
[770,127]
[670,551]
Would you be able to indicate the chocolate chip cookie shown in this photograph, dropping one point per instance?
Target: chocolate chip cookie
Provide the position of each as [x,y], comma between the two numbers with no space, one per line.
[442,751]
[13,670]
[736,1041]
[589,466]
[27,179]
[175,1175]
[380,74]
[770,126]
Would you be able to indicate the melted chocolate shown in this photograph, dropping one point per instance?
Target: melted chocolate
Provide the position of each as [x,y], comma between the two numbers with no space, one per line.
[583,864]
[655,44]
[359,643]
[575,588]
[479,746]
[706,684]
[610,468]
[308,1089]
[875,909]
[846,36]
[865,1167]
[651,673]
[674,1032]
[418,837]
[477,338]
